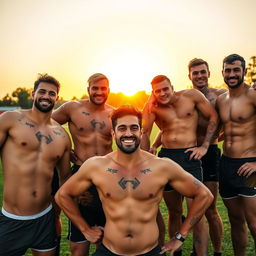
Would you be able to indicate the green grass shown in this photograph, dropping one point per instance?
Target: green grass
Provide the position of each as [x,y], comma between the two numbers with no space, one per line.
[227,245]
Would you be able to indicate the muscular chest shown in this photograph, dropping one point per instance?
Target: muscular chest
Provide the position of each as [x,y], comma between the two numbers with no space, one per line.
[87,122]
[236,110]
[179,112]
[137,184]
[28,138]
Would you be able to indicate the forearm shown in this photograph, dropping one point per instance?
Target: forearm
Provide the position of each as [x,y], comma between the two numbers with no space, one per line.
[210,133]
[197,208]
[70,208]
[145,142]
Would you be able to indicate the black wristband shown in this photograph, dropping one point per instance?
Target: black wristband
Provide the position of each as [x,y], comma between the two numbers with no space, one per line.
[179,237]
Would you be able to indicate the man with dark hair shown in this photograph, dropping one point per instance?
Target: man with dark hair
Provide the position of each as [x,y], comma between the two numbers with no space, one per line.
[199,74]
[130,183]
[90,127]
[237,111]
[176,115]
[32,144]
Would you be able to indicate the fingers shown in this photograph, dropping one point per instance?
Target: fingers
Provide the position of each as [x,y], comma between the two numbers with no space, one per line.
[246,170]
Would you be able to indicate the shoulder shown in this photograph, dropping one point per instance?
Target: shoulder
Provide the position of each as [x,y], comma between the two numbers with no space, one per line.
[251,92]
[95,163]
[15,115]
[191,92]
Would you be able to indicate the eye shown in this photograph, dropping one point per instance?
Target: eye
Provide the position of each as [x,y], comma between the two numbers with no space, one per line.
[135,128]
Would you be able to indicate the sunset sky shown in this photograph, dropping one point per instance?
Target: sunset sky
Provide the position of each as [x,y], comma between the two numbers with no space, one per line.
[130,41]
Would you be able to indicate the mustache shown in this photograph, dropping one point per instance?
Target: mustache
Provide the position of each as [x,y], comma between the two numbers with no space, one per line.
[128,137]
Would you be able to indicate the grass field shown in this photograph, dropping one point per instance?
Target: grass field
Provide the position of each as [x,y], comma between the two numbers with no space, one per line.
[227,246]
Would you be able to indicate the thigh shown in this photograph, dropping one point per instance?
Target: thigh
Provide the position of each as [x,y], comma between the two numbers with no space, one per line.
[235,208]
[43,253]
[249,206]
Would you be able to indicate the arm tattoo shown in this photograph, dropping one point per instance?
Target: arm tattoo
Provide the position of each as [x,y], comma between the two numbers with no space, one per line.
[111,170]
[48,139]
[145,171]
[210,131]
[86,113]
[194,220]
[135,183]
[102,125]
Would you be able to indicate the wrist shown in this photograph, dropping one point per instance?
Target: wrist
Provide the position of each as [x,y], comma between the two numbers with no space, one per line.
[178,236]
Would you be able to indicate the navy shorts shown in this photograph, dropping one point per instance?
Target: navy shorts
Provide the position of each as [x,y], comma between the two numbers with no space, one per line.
[179,156]
[19,233]
[92,213]
[104,251]
[210,164]
[231,184]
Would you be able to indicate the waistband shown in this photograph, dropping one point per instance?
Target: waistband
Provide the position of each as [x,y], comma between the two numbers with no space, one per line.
[30,217]
[176,149]
[249,159]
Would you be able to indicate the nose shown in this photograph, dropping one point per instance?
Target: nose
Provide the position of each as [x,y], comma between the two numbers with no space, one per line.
[128,132]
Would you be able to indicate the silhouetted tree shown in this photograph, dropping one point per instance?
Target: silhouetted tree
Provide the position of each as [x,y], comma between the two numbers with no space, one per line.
[7,100]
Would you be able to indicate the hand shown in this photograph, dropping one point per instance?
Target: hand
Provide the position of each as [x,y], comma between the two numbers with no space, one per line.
[94,234]
[247,169]
[197,152]
[85,199]
[171,246]
[73,156]
[153,150]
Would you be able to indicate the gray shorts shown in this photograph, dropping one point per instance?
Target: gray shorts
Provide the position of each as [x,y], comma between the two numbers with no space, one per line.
[19,233]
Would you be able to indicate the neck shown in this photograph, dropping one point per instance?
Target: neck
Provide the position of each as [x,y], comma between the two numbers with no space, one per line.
[40,117]
[234,92]
[94,106]
[128,159]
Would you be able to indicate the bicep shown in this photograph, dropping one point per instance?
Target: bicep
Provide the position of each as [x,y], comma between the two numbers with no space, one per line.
[5,125]
[60,115]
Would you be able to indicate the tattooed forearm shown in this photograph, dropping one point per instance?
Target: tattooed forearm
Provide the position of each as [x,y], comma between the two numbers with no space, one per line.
[194,220]
[39,136]
[145,171]
[210,131]
[135,183]
[112,170]
[101,125]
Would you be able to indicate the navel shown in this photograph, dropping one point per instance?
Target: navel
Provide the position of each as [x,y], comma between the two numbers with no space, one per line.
[23,143]
[108,195]
[150,195]
[34,193]
[81,129]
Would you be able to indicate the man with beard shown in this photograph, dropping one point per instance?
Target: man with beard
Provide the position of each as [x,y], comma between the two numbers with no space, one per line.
[237,111]
[176,115]
[90,127]
[32,144]
[130,182]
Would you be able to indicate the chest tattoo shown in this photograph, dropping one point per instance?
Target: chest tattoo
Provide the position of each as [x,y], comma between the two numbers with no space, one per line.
[112,170]
[101,125]
[40,136]
[57,132]
[145,171]
[86,113]
[30,125]
[135,183]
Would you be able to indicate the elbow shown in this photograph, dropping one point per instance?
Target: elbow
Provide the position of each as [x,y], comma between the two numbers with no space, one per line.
[208,196]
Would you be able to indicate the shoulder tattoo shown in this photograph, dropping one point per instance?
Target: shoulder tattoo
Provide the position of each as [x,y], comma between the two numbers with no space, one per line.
[86,113]
[145,171]
[111,170]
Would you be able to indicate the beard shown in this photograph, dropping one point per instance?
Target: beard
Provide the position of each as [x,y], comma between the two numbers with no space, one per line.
[42,108]
[239,82]
[128,149]
[92,99]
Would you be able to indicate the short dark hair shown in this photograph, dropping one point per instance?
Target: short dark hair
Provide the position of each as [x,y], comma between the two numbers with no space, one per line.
[196,62]
[125,110]
[46,79]
[96,77]
[233,57]
[159,79]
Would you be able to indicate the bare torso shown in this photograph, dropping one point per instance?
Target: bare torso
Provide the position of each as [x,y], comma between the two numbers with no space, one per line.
[130,201]
[178,122]
[90,128]
[238,116]
[29,155]
[211,94]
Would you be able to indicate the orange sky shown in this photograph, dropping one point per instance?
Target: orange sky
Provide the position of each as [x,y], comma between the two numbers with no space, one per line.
[129,41]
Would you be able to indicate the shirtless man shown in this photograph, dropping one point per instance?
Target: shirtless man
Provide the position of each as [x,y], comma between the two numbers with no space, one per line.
[90,127]
[176,115]
[130,183]
[32,144]
[199,74]
[237,111]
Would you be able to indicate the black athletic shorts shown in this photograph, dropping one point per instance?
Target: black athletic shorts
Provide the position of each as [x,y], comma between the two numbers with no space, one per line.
[231,184]
[19,233]
[92,213]
[104,251]
[210,164]
[179,156]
